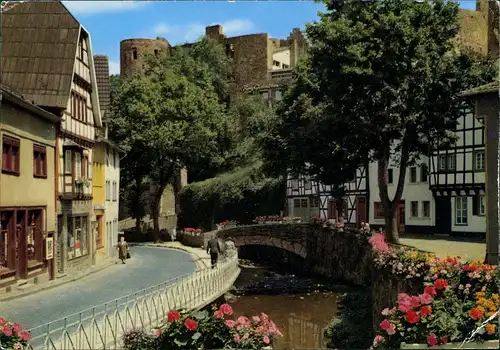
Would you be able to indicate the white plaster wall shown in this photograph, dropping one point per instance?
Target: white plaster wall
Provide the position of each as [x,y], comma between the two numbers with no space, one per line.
[283,57]
[475,223]
[418,191]
[112,173]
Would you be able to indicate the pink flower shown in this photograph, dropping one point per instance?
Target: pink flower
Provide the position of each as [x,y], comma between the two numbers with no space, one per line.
[264,317]
[256,318]
[432,340]
[7,331]
[218,314]
[404,302]
[266,339]
[378,242]
[246,336]
[230,323]
[425,298]
[243,321]
[388,312]
[415,301]
[236,338]
[2,321]
[378,340]
[385,325]
[240,327]
[17,328]
[157,332]
[392,329]
[226,309]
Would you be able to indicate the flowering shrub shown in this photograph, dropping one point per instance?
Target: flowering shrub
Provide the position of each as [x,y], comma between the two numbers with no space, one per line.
[12,335]
[456,298]
[227,223]
[202,330]
[400,261]
[261,219]
[192,231]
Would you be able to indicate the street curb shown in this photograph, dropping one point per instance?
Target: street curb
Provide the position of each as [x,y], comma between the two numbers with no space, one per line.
[55,285]
[196,258]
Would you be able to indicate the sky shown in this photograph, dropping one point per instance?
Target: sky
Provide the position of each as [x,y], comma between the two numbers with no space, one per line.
[110,22]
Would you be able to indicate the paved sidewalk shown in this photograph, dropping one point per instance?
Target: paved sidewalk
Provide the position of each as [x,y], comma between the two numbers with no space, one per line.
[444,247]
[200,256]
[100,265]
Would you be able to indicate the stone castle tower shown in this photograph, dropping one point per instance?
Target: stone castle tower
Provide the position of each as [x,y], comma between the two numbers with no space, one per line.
[133,53]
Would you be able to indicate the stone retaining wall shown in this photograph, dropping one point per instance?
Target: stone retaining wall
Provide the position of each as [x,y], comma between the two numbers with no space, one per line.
[344,256]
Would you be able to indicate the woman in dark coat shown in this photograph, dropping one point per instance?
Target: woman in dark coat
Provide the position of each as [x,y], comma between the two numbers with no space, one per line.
[122,250]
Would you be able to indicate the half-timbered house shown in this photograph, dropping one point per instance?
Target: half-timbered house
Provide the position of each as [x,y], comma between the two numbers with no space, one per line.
[27,187]
[307,198]
[457,180]
[47,57]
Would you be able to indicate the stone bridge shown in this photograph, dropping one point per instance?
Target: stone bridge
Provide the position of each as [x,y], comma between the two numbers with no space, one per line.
[341,255]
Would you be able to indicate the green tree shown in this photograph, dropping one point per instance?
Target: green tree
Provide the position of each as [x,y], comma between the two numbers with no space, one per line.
[166,122]
[381,82]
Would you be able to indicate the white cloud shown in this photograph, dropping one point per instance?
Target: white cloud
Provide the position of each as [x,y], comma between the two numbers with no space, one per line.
[162,29]
[98,7]
[114,67]
[237,27]
[177,34]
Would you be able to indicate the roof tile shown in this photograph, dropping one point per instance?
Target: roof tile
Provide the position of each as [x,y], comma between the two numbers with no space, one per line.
[39,46]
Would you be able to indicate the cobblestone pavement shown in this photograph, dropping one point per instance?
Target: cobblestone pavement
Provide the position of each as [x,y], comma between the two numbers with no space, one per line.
[147,267]
[448,247]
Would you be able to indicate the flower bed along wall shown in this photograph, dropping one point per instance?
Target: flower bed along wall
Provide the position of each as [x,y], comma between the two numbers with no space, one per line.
[446,300]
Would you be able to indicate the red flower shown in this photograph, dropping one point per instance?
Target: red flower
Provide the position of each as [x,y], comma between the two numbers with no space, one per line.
[444,339]
[218,314]
[425,311]
[191,324]
[432,340]
[412,317]
[476,314]
[440,284]
[173,316]
[430,290]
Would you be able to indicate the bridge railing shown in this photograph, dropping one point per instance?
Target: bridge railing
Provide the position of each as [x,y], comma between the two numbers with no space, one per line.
[102,326]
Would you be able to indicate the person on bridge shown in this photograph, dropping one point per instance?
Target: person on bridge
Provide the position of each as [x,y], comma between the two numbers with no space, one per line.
[213,249]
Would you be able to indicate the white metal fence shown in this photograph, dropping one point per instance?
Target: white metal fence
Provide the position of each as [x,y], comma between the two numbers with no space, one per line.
[102,326]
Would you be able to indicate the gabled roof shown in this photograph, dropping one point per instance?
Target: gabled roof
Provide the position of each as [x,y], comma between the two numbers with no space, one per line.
[489,88]
[39,48]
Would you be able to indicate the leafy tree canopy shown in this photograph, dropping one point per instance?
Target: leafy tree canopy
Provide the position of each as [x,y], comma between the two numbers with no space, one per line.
[381,81]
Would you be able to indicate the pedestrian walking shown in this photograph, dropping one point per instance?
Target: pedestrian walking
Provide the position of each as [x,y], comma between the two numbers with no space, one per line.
[213,249]
[122,249]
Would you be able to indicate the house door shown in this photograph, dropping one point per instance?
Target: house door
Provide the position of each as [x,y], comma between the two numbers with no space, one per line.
[360,211]
[443,214]
[301,208]
[21,245]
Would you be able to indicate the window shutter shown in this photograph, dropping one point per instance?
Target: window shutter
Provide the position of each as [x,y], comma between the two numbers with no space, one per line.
[475,205]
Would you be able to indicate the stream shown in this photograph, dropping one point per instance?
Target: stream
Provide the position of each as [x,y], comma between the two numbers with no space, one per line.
[300,306]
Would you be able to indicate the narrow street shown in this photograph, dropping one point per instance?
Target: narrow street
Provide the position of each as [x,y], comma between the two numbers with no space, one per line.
[147,267]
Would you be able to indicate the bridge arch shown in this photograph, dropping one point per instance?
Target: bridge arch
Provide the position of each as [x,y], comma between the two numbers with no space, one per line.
[298,248]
